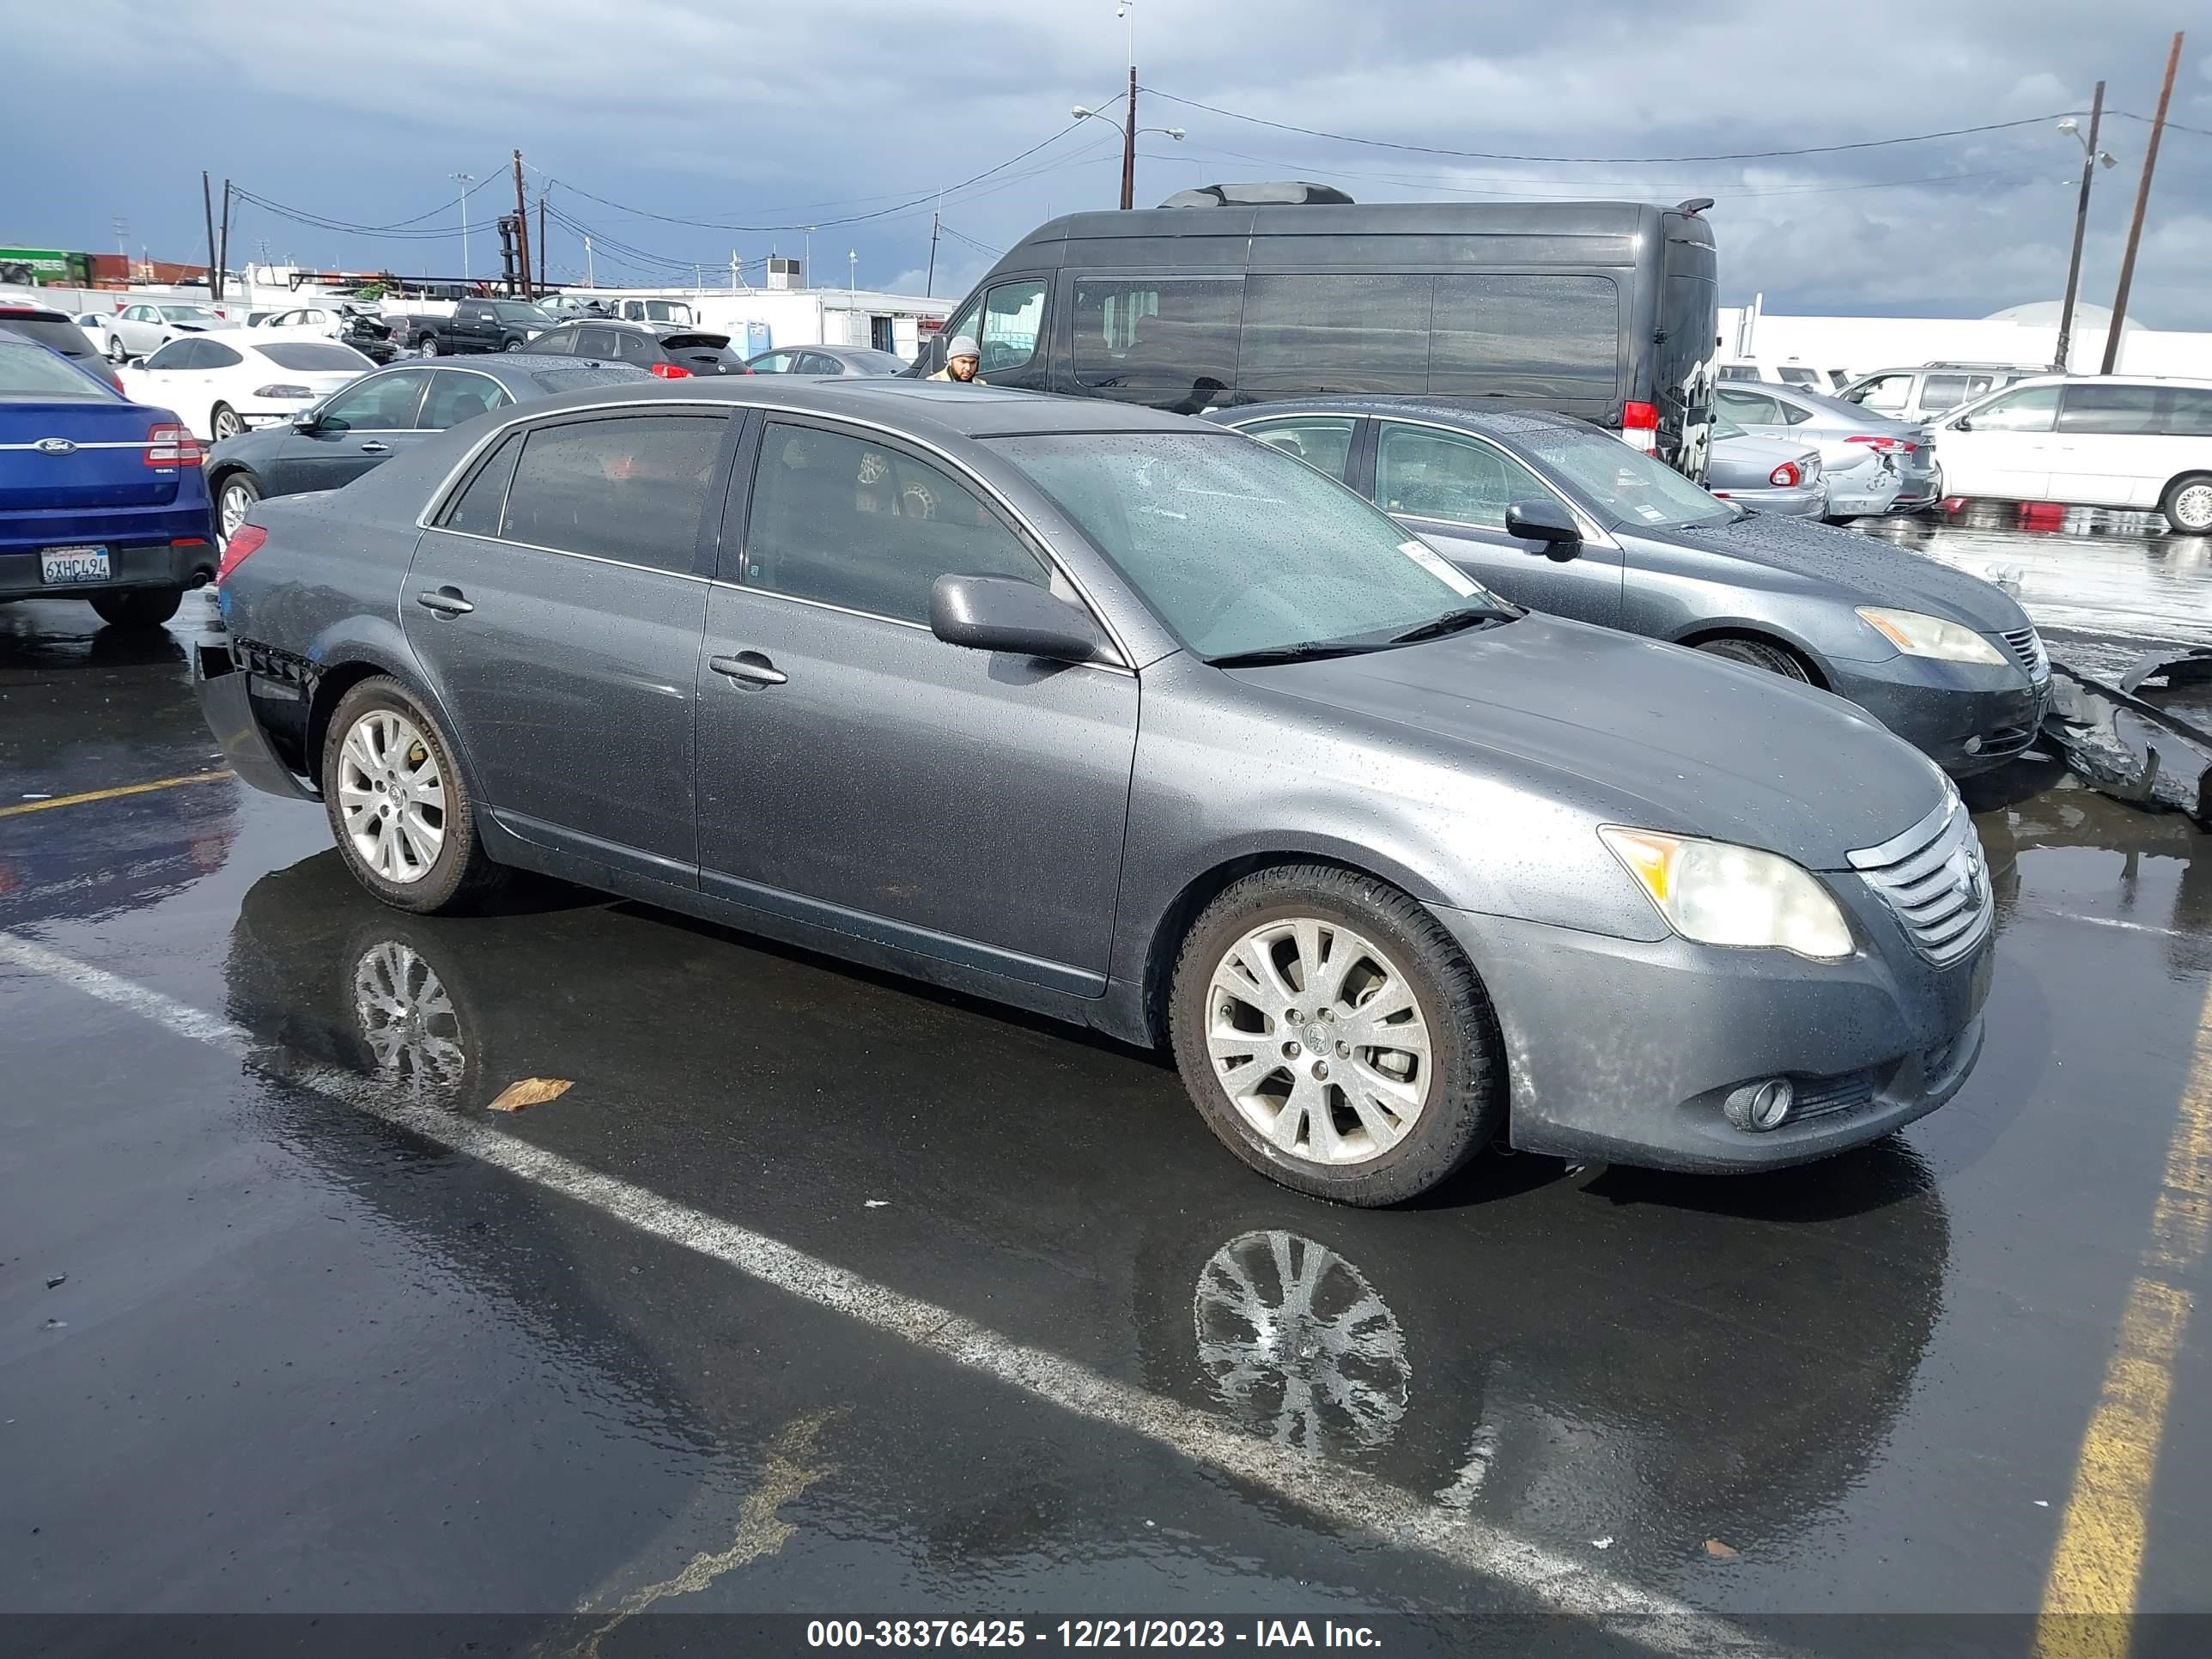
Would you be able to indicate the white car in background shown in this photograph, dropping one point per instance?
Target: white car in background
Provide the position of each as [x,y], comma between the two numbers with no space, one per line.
[223,385]
[146,325]
[2119,441]
[1793,373]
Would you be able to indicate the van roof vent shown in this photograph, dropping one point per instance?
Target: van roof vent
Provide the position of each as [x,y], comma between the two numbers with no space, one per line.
[1272,193]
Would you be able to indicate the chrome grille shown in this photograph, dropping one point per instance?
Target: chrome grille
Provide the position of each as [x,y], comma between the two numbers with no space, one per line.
[2026,647]
[1934,881]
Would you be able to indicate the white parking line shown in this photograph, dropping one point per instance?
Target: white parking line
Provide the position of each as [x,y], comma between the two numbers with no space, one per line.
[1351,1499]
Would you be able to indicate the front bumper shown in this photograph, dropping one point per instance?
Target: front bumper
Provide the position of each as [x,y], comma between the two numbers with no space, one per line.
[1966,717]
[1623,1050]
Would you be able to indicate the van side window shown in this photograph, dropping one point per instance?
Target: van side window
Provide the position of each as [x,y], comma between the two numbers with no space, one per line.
[2029,409]
[1536,337]
[1008,334]
[2191,415]
[1316,334]
[2129,410]
[1169,342]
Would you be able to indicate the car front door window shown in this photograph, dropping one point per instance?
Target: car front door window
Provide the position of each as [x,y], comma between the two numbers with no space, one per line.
[382,402]
[2034,409]
[1322,442]
[1423,473]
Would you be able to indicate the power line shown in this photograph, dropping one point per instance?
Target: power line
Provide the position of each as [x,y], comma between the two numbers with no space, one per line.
[1603,161]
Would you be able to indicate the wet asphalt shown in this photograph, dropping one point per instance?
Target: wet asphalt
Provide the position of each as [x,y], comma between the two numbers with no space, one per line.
[295,1360]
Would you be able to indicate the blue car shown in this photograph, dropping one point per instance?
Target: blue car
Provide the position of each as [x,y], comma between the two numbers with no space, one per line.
[101,499]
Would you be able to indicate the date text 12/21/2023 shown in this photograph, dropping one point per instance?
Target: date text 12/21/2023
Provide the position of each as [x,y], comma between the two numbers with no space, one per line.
[1086,1633]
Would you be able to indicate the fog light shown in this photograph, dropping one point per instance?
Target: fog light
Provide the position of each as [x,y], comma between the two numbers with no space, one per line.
[1757,1106]
[1973,746]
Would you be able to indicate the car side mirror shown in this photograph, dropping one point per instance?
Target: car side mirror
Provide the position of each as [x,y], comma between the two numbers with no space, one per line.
[1962,424]
[1547,522]
[1004,613]
[306,420]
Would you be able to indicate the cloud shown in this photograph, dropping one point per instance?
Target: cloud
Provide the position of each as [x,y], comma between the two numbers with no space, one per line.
[852,115]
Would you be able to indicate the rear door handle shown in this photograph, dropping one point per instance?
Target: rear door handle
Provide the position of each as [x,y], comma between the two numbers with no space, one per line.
[373,447]
[446,601]
[750,667]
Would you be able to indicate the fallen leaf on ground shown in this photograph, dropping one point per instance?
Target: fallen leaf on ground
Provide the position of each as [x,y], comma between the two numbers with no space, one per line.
[1715,1547]
[874,1203]
[529,1092]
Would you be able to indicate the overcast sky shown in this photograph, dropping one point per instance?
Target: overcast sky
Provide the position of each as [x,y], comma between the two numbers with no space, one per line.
[763,115]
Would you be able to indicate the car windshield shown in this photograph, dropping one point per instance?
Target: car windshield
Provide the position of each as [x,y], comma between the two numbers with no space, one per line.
[1637,490]
[1239,547]
[187,315]
[31,373]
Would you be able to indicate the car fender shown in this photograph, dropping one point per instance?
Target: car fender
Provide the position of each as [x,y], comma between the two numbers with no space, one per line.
[378,644]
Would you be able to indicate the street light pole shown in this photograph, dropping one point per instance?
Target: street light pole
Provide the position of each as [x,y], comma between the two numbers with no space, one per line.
[465,179]
[2081,223]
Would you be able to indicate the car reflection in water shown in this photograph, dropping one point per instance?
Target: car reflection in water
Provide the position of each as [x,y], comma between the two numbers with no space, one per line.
[1660,1358]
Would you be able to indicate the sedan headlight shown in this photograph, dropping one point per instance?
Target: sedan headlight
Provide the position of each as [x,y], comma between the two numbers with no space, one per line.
[282,392]
[1718,893]
[1929,636]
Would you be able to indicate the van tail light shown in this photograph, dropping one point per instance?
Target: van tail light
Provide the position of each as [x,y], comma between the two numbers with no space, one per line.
[1786,475]
[170,445]
[1640,426]
[243,542]
[668,371]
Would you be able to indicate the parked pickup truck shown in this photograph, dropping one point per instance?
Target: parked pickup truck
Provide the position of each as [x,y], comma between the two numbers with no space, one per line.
[473,325]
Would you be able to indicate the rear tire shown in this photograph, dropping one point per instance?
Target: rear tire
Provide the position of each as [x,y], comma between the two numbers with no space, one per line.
[2187,504]
[1758,653]
[142,607]
[394,796]
[223,422]
[117,353]
[512,345]
[1366,1123]
[426,347]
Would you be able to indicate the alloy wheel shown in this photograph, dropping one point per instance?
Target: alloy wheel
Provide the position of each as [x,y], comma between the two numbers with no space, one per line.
[238,500]
[2192,509]
[226,424]
[408,1020]
[392,796]
[1319,1041]
[1298,1344]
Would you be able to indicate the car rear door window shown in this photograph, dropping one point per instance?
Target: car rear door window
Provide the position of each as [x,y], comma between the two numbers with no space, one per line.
[2032,408]
[863,526]
[456,395]
[2114,410]
[1748,408]
[382,402]
[1535,337]
[178,354]
[597,343]
[561,342]
[630,488]
[1423,473]
[1349,333]
[1168,342]
[477,510]
[639,349]
[1321,441]
[215,355]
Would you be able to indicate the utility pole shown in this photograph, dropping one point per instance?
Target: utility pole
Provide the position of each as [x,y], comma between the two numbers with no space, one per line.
[465,179]
[1129,147]
[929,282]
[222,243]
[521,229]
[2143,202]
[541,289]
[2081,228]
[207,206]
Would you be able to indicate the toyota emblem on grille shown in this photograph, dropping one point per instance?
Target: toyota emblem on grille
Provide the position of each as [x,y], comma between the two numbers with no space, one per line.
[1966,875]
[55,446]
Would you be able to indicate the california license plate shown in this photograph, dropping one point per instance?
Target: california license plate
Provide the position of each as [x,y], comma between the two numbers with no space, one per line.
[62,566]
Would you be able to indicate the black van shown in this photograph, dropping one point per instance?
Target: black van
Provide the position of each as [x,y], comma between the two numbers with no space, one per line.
[1607,310]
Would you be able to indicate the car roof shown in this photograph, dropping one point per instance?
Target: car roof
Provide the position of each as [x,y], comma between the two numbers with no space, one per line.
[2109,380]
[1498,422]
[505,367]
[939,408]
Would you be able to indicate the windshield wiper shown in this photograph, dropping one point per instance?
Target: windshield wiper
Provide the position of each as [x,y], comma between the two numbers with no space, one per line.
[1304,651]
[1452,621]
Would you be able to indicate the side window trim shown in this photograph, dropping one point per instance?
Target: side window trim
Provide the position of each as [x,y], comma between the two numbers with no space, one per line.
[1001,508]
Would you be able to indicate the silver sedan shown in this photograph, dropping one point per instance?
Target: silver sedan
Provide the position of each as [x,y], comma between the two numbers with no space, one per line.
[1873,465]
[1775,475]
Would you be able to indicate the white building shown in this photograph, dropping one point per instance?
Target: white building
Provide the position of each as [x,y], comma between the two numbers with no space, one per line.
[2027,335]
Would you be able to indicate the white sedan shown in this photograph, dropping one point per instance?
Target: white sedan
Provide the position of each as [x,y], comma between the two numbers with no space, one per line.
[145,326]
[222,385]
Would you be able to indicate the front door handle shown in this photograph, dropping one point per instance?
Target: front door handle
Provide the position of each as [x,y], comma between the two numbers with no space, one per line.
[750,667]
[373,447]
[446,601]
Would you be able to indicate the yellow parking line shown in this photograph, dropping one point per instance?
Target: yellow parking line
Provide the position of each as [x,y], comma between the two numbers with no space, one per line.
[2090,1595]
[111,794]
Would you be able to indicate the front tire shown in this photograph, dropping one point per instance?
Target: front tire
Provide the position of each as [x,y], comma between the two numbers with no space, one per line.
[223,422]
[117,353]
[2187,504]
[141,607]
[397,804]
[426,347]
[1334,1037]
[512,345]
[1758,653]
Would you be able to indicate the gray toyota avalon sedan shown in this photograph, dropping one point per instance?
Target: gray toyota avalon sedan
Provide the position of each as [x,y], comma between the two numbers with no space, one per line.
[1123,717]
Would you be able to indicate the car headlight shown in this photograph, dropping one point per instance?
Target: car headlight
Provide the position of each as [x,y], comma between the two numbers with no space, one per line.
[1717,893]
[1929,636]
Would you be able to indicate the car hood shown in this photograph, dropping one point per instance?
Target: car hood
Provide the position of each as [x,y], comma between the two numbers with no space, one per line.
[1667,738]
[1881,572]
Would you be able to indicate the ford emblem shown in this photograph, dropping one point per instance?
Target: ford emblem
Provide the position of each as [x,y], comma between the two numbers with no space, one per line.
[55,446]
